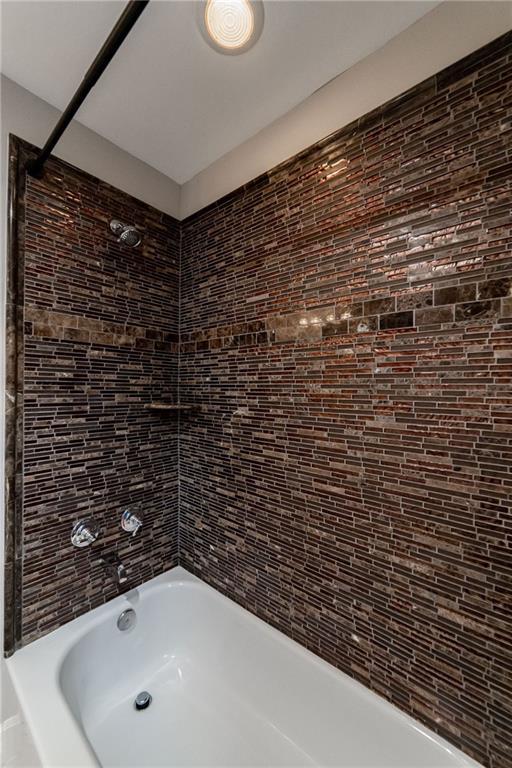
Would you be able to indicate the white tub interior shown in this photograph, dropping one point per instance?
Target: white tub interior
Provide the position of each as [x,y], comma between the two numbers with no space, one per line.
[227,690]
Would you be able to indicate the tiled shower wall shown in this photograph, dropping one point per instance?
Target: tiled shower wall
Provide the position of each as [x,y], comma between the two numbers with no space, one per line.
[99,343]
[346,327]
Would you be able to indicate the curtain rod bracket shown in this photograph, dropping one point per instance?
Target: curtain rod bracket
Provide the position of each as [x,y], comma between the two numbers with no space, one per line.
[34,169]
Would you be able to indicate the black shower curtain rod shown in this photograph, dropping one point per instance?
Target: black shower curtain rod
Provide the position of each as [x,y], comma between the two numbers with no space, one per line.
[126,21]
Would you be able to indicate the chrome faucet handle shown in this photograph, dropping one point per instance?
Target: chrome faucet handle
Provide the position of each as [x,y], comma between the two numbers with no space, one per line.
[131,522]
[84,533]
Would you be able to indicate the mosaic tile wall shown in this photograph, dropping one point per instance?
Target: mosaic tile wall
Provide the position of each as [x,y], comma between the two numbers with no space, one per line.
[100,343]
[346,326]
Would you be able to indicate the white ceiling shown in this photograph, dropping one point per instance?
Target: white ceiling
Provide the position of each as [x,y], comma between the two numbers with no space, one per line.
[167,97]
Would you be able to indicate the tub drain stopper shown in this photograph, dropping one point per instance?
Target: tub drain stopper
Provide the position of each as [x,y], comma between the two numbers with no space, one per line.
[143,700]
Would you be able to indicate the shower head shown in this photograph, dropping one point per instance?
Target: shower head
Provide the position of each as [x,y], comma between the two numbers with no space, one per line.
[130,236]
[125,233]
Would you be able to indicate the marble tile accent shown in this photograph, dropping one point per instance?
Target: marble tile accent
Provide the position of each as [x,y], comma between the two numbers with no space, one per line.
[435,315]
[396,320]
[476,310]
[454,294]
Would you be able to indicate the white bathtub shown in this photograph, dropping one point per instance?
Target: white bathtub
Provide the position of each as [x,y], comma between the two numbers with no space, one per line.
[228,690]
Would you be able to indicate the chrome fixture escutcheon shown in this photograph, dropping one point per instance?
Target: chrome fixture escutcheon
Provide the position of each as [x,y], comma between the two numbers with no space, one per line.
[143,700]
[126,620]
[84,533]
[131,520]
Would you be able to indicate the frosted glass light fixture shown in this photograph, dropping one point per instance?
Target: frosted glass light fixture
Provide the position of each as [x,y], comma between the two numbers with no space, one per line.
[231,26]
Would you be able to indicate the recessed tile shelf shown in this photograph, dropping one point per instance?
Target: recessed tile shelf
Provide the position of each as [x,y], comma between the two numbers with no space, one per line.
[161,406]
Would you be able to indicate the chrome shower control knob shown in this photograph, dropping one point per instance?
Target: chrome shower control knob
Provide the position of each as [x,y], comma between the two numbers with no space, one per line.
[84,533]
[131,522]
[143,700]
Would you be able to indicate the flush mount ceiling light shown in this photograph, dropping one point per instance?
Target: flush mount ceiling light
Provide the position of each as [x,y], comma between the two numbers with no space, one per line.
[231,26]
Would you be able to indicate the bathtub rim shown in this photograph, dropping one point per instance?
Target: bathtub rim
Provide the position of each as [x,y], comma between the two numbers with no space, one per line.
[58,738]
